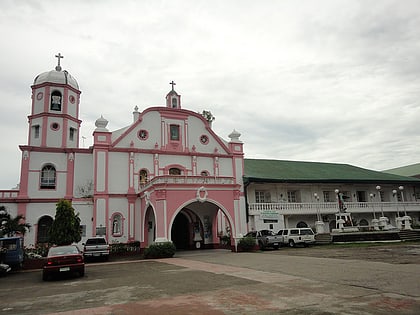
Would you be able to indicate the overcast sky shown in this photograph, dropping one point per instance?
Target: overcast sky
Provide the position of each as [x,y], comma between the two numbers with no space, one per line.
[328,81]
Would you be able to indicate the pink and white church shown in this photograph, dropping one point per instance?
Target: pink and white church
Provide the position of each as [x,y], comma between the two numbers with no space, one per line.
[166,176]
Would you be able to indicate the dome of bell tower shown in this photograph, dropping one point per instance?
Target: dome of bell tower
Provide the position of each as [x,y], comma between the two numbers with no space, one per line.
[57,76]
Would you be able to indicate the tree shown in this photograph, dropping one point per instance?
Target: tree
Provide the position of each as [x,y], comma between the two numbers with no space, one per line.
[66,226]
[208,116]
[10,226]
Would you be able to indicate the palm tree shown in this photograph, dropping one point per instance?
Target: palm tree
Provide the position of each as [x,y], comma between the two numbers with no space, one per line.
[10,226]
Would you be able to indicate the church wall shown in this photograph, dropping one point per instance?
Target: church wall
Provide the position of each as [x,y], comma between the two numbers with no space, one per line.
[85,210]
[205,164]
[169,160]
[73,108]
[143,161]
[225,167]
[83,178]
[37,161]
[35,141]
[54,138]
[120,206]
[34,212]
[118,172]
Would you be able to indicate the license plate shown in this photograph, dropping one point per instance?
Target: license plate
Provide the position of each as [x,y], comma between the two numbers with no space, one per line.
[95,254]
[64,269]
[275,244]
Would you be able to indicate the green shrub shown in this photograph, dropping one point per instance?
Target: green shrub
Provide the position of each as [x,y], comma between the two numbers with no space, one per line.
[160,250]
[247,244]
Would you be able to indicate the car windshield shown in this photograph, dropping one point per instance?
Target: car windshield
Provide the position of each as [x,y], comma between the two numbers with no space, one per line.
[63,250]
[267,233]
[96,241]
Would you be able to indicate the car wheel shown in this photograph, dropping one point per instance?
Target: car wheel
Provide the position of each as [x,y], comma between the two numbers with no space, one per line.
[261,246]
[292,243]
[82,273]
[276,247]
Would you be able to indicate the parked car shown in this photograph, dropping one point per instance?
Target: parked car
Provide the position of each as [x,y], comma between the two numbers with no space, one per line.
[295,236]
[265,238]
[96,247]
[62,260]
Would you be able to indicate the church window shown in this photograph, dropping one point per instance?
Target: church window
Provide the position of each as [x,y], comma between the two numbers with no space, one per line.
[55,126]
[143,177]
[204,139]
[48,177]
[204,173]
[72,134]
[174,171]
[36,131]
[143,134]
[116,224]
[174,132]
[56,101]
[174,102]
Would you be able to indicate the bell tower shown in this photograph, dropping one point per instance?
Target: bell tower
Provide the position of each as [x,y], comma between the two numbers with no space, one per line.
[54,119]
[173,99]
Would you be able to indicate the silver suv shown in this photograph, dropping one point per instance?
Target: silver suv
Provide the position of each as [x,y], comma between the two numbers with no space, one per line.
[295,236]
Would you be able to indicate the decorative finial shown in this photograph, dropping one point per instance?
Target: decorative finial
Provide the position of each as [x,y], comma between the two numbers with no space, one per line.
[172,83]
[58,67]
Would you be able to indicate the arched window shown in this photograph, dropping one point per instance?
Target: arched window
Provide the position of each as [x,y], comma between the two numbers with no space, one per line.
[44,225]
[204,173]
[363,222]
[174,171]
[56,101]
[48,177]
[117,224]
[301,224]
[143,177]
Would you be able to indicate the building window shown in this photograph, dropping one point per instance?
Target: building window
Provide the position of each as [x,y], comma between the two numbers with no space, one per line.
[48,177]
[327,196]
[44,225]
[117,225]
[204,173]
[36,131]
[174,102]
[143,177]
[174,171]
[174,132]
[72,134]
[262,196]
[56,101]
[292,196]
[143,134]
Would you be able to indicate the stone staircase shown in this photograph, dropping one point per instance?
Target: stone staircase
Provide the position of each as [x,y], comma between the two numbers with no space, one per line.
[409,235]
[323,238]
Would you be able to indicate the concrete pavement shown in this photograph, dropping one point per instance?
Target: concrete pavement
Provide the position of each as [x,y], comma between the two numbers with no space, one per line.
[282,284]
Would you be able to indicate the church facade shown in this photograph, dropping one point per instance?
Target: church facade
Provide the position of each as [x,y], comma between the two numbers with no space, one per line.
[164,177]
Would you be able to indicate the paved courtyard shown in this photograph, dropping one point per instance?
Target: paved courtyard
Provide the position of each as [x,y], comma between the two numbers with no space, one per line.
[285,281]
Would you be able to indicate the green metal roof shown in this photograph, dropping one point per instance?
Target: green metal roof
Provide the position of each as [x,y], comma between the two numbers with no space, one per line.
[257,170]
[409,170]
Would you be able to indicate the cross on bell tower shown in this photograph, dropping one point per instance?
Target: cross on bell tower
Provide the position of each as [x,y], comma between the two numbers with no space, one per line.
[59,56]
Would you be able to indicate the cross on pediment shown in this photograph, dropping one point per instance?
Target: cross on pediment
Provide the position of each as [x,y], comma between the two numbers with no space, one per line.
[172,83]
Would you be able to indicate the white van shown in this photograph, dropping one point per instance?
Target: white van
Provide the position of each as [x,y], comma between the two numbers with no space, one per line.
[295,236]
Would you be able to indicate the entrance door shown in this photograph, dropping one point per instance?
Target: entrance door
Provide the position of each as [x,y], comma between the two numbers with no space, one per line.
[180,232]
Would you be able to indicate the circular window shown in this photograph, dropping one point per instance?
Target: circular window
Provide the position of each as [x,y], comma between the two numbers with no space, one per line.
[72,99]
[204,139]
[39,96]
[143,134]
[55,126]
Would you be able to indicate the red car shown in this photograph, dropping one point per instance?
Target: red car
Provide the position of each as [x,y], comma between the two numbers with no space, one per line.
[62,260]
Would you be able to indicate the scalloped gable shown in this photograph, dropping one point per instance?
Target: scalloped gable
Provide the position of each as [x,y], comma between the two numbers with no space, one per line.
[151,119]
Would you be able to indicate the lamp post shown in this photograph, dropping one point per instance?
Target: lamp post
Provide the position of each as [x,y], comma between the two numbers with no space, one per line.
[383,220]
[375,221]
[406,219]
[398,219]
[319,224]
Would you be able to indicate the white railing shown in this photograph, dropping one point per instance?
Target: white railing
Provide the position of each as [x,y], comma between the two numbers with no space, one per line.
[8,194]
[332,207]
[179,179]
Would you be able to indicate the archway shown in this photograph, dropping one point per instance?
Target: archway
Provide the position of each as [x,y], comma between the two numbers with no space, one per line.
[302,224]
[44,225]
[149,226]
[180,232]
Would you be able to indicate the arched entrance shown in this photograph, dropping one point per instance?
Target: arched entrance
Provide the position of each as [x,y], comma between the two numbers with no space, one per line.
[150,226]
[180,232]
[44,225]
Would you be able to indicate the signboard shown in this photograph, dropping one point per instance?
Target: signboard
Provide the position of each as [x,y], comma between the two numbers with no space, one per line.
[269,214]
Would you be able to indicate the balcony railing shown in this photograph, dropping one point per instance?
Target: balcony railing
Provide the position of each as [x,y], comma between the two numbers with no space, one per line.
[332,207]
[179,179]
[8,194]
